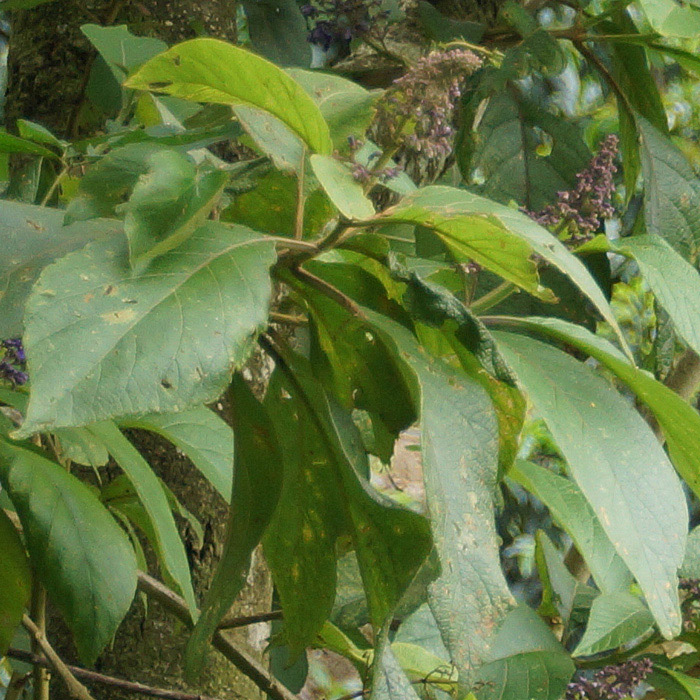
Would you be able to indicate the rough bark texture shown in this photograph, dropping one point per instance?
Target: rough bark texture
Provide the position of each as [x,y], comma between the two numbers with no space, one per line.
[49,63]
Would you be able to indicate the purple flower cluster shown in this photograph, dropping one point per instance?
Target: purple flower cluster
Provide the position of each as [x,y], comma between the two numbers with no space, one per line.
[417,112]
[14,355]
[579,213]
[691,587]
[610,682]
[340,21]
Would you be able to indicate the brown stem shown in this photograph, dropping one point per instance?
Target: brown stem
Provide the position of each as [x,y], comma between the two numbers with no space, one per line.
[76,689]
[327,289]
[128,686]
[299,221]
[37,609]
[229,623]
[276,317]
[248,665]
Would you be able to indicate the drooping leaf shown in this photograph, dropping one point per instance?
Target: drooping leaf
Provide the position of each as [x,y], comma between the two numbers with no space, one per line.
[341,187]
[102,343]
[155,502]
[459,443]
[506,153]
[32,238]
[526,661]
[204,437]
[16,581]
[209,70]
[257,481]
[618,463]
[78,551]
[679,421]
[391,543]
[572,512]
[82,447]
[501,239]
[671,192]
[278,31]
[616,619]
[39,134]
[15,144]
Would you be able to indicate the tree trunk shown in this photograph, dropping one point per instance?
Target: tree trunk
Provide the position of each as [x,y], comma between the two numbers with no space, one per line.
[49,66]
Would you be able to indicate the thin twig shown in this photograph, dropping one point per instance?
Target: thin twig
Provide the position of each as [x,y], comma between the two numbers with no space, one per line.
[320,285]
[127,686]
[248,665]
[229,623]
[56,182]
[37,611]
[75,687]
[276,317]
[603,70]
[301,199]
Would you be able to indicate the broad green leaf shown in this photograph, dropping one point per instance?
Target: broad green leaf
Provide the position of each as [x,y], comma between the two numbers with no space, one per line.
[272,138]
[616,619]
[257,481]
[299,544]
[675,282]
[505,153]
[389,682]
[444,29]
[420,628]
[341,187]
[689,686]
[501,239]
[209,70]
[204,437]
[15,144]
[152,343]
[671,192]
[527,661]
[572,512]
[679,421]
[278,31]
[391,543]
[155,502]
[39,134]
[32,238]
[459,442]
[673,19]
[16,581]
[78,551]
[691,561]
[82,447]
[120,48]
[424,667]
[346,106]
[618,463]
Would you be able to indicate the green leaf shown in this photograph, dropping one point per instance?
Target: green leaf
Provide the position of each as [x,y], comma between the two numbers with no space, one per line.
[459,442]
[391,543]
[16,581]
[526,661]
[154,343]
[39,134]
[505,153]
[15,144]
[671,192]
[120,48]
[679,421]
[155,502]
[21,4]
[257,481]
[204,437]
[346,106]
[616,619]
[341,187]
[81,447]
[445,29]
[572,512]
[421,628]
[691,561]
[618,463]
[209,70]
[278,31]
[501,239]
[78,551]
[673,19]
[32,238]
[389,682]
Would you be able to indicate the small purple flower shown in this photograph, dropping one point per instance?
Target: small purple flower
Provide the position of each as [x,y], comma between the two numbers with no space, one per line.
[14,355]
[579,213]
[341,21]
[611,682]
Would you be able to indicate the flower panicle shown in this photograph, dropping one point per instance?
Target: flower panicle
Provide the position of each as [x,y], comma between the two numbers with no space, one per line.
[582,209]
[610,682]
[14,357]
